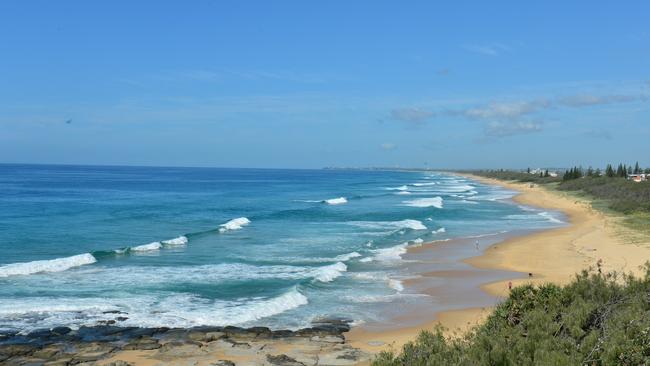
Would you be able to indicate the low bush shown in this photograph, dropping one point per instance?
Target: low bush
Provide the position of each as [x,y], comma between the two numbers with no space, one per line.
[597,319]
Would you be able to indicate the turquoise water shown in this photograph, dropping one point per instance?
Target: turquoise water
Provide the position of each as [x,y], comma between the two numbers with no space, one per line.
[191,246]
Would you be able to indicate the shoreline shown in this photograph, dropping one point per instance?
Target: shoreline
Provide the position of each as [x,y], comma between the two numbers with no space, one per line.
[551,255]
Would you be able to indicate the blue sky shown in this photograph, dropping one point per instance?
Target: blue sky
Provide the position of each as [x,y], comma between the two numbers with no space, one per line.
[337,83]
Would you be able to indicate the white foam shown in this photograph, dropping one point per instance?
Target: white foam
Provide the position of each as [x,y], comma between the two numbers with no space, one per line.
[234,224]
[438,231]
[347,257]
[330,273]
[181,240]
[175,311]
[147,247]
[402,224]
[400,188]
[418,241]
[403,193]
[425,202]
[52,265]
[336,201]
[395,284]
[420,184]
[550,218]
[391,254]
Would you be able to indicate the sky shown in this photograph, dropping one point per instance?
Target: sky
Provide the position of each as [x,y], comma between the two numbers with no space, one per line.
[306,84]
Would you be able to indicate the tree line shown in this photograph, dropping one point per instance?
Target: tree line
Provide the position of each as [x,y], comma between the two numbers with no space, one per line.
[621,171]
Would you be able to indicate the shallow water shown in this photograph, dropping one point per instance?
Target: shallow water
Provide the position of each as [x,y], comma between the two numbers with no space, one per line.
[194,246]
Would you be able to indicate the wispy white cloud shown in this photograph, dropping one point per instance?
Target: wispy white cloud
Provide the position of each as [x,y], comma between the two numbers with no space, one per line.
[505,110]
[503,129]
[488,49]
[411,115]
[590,100]
[514,117]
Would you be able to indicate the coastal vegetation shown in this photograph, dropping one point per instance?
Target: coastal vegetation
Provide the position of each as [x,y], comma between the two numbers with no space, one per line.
[610,187]
[597,319]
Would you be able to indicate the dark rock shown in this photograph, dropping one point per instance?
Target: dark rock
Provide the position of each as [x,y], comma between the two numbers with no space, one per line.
[7,335]
[40,333]
[238,344]
[223,363]
[48,352]
[119,363]
[130,333]
[61,331]
[13,350]
[205,336]
[206,329]
[352,355]
[92,352]
[260,331]
[144,343]
[282,333]
[59,362]
[283,360]
[121,318]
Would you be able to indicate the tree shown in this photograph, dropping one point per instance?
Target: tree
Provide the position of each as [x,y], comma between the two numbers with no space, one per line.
[637,170]
[590,172]
[528,170]
[609,171]
[546,175]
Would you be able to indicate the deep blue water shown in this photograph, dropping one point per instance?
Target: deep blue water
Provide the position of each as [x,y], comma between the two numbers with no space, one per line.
[69,238]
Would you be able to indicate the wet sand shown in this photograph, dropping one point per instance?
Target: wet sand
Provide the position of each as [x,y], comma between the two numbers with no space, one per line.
[553,255]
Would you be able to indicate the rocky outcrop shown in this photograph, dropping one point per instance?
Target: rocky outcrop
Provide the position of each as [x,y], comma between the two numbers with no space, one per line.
[321,344]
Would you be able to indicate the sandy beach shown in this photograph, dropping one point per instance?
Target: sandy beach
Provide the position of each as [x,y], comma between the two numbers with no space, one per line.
[554,255]
[468,284]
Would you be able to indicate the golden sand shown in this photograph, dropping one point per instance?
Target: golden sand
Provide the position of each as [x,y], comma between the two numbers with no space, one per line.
[554,255]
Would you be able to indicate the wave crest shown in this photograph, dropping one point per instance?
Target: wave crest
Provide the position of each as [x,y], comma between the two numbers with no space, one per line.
[330,273]
[51,265]
[181,240]
[234,224]
[425,202]
[336,201]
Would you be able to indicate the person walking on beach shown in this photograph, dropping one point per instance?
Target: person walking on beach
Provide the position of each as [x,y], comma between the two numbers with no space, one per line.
[510,285]
[477,244]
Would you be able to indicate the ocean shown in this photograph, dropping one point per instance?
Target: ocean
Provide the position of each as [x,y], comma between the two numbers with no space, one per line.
[182,247]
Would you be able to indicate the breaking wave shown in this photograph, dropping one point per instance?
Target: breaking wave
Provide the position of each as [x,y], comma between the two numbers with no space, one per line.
[51,265]
[336,201]
[425,202]
[234,224]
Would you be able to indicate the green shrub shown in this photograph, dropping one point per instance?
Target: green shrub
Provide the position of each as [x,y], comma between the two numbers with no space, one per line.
[595,320]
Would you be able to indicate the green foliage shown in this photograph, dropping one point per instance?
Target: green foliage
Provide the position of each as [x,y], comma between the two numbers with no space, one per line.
[542,178]
[573,173]
[595,320]
[621,194]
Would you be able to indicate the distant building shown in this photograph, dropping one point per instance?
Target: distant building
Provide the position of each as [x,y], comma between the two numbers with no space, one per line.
[638,177]
[539,171]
